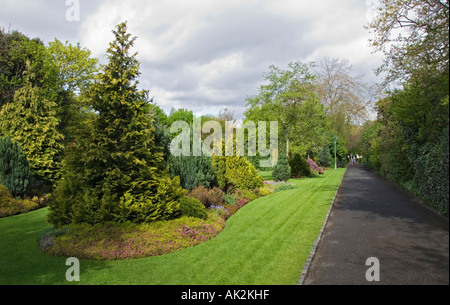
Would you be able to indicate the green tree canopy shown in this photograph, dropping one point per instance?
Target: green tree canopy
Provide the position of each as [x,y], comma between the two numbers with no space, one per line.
[413,35]
[289,97]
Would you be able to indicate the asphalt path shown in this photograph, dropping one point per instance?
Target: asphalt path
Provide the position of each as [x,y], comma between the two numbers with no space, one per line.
[373,218]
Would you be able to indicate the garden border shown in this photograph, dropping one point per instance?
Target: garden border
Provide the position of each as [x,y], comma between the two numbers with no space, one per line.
[305,270]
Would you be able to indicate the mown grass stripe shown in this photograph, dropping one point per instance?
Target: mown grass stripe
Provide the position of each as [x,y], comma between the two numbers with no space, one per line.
[266,242]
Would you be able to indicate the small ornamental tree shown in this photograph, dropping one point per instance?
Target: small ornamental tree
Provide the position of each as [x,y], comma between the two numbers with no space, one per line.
[193,170]
[14,167]
[118,173]
[312,165]
[324,157]
[299,166]
[282,171]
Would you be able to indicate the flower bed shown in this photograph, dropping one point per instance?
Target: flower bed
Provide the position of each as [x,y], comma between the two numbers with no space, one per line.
[126,241]
[278,186]
[113,241]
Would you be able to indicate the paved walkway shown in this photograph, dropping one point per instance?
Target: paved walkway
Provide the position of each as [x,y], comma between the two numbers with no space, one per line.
[372,217]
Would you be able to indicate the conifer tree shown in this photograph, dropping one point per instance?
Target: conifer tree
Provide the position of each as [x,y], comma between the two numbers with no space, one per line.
[121,169]
[31,121]
[325,157]
[282,171]
[14,167]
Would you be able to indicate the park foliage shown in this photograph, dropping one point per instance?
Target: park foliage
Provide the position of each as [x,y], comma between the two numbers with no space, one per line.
[82,139]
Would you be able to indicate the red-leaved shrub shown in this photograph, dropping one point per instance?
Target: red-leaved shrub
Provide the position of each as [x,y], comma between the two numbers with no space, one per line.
[208,197]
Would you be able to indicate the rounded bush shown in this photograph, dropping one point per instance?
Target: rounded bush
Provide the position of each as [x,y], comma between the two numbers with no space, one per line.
[282,171]
[208,197]
[192,207]
[300,167]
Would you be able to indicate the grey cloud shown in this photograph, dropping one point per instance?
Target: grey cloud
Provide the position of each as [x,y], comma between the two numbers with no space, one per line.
[178,78]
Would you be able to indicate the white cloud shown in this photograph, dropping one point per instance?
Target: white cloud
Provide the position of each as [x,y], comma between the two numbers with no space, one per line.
[204,54]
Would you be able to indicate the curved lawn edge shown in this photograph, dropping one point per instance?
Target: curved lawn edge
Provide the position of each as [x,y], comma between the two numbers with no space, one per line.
[266,242]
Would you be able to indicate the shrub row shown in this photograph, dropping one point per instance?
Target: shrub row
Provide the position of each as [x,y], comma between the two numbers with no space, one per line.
[10,206]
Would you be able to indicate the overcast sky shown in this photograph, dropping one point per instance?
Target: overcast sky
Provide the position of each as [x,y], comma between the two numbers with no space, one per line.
[205,55]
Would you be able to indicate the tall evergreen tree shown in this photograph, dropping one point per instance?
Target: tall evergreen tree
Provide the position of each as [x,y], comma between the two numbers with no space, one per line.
[121,169]
[31,121]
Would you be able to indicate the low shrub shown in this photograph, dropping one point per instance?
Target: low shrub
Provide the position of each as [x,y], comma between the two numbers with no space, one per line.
[241,174]
[235,172]
[201,194]
[265,191]
[10,206]
[208,197]
[312,165]
[240,202]
[46,238]
[284,187]
[216,196]
[282,171]
[232,209]
[230,199]
[5,195]
[300,167]
[111,241]
[192,170]
[192,207]
[247,194]
[221,211]
[279,186]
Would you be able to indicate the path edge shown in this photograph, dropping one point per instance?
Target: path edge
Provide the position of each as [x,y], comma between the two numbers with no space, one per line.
[305,270]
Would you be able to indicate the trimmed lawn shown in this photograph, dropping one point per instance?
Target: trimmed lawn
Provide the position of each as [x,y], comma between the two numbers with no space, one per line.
[267,175]
[266,242]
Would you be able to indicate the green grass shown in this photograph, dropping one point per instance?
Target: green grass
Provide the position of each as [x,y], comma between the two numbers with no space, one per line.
[265,242]
[267,175]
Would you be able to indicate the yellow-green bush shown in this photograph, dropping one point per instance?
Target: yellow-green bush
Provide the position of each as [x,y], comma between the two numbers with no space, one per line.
[10,206]
[265,191]
[235,172]
[192,207]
